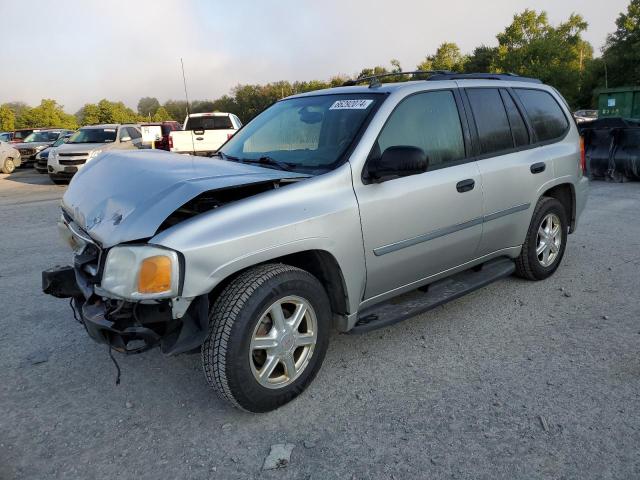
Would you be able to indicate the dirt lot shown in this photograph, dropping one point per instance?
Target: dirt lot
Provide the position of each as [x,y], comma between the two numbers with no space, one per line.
[518,380]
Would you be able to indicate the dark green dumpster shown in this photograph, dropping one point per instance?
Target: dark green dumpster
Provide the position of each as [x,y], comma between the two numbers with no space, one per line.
[619,102]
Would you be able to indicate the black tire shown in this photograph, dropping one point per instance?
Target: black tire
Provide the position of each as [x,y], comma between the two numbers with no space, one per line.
[528,265]
[234,317]
[58,181]
[8,166]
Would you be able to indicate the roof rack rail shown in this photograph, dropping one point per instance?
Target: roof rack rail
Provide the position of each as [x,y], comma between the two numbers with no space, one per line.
[433,75]
[374,80]
[483,76]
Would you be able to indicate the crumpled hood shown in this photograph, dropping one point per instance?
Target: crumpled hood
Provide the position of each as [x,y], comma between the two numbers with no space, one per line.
[126,195]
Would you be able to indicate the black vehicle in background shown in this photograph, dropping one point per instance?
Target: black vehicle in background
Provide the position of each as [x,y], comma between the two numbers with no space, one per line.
[43,156]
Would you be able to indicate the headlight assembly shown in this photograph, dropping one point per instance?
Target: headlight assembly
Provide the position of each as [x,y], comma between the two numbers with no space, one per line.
[141,272]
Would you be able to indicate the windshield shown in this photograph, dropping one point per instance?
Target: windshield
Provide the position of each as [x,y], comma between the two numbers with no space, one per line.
[93,135]
[60,141]
[42,137]
[307,134]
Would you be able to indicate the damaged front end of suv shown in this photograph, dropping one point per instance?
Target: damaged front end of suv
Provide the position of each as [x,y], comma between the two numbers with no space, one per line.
[126,290]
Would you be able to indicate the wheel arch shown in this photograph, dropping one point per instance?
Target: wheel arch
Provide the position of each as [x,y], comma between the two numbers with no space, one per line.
[320,263]
[565,193]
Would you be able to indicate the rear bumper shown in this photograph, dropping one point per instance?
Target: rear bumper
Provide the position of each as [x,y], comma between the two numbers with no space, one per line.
[129,327]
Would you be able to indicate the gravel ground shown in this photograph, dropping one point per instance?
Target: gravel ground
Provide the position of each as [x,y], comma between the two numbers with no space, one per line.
[518,380]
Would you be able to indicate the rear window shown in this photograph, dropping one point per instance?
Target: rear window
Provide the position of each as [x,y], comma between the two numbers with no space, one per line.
[209,123]
[491,120]
[546,116]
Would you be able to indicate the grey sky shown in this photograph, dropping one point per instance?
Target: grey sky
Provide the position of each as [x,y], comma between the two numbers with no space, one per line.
[79,51]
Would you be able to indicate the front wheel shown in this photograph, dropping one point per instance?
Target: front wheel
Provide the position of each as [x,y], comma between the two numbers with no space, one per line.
[8,166]
[546,241]
[268,334]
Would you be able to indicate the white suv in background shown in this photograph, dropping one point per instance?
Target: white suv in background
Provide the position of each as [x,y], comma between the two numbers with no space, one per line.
[86,144]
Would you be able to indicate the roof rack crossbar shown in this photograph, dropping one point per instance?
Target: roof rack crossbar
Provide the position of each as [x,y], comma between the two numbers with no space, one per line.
[374,80]
[433,75]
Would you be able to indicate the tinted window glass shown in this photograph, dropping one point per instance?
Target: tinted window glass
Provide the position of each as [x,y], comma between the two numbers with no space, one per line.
[429,121]
[518,127]
[491,119]
[545,114]
[209,123]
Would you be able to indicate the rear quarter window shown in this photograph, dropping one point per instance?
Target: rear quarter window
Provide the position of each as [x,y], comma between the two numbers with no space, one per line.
[547,118]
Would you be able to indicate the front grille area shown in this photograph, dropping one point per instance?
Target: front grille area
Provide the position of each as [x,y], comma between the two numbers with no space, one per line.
[72,162]
[74,154]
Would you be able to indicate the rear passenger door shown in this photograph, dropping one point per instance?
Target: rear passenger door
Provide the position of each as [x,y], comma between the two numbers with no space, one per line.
[420,225]
[511,158]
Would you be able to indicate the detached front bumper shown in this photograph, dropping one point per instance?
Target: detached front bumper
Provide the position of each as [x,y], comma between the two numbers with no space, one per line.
[129,327]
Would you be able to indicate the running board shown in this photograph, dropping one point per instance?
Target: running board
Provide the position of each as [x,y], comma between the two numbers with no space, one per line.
[442,291]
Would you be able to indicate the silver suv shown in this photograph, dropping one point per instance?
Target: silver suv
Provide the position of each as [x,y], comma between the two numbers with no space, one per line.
[354,208]
[86,144]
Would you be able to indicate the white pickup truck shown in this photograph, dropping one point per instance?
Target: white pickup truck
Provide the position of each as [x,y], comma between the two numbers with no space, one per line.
[204,133]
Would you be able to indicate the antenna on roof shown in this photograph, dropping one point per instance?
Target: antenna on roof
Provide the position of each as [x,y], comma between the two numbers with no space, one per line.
[184,81]
[186,95]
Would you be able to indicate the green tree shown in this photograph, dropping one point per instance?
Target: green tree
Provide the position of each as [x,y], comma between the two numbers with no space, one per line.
[482,60]
[88,115]
[447,57]
[7,119]
[177,109]
[147,106]
[116,112]
[622,50]
[161,115]
[47,114]
[557,55]
[17,107]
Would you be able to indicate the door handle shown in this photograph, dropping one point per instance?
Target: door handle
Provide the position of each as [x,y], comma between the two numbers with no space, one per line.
[465,185]
[538,167]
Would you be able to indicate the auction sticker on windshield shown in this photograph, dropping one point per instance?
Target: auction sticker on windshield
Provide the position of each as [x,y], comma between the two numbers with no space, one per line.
[360,104]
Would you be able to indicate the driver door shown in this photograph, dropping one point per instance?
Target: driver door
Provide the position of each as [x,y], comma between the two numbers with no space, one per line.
[420,225]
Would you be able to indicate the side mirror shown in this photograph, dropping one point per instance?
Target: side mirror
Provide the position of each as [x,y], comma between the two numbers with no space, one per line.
[125,139]
[396,162]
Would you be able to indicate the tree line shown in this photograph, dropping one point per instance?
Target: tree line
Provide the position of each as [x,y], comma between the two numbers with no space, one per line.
[529,46]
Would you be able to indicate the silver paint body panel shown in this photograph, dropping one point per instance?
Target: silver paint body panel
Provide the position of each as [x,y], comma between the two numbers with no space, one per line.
[387,238]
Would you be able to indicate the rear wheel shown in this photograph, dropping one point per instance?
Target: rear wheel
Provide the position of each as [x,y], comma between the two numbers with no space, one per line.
[268,334]
[8,166]
[546,241]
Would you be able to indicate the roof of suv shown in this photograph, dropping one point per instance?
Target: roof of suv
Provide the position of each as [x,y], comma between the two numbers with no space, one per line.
[468,78]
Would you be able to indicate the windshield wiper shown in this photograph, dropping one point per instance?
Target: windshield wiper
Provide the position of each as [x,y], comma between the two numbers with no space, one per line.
[224,156]
[271,162]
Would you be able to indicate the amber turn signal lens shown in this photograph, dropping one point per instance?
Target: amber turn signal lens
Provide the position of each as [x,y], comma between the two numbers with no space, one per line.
[155,275]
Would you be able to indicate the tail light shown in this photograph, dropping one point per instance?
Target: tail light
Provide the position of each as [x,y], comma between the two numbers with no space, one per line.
[170,142]
[583,157]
